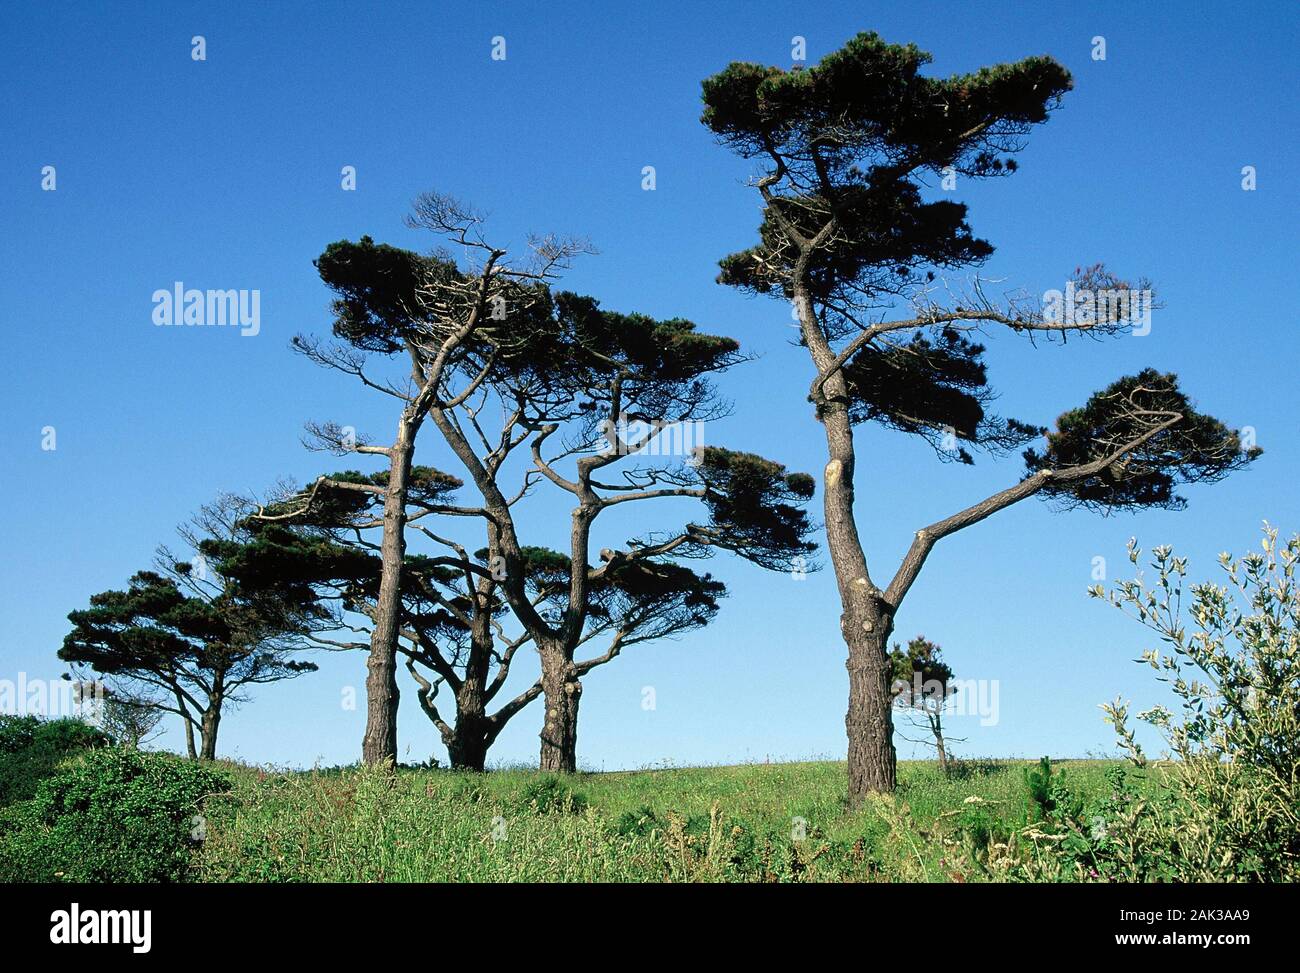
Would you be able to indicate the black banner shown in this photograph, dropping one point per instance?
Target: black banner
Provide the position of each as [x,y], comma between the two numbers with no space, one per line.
[330,922]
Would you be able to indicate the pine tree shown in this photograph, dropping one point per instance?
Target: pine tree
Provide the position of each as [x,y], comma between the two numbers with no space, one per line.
[845,149]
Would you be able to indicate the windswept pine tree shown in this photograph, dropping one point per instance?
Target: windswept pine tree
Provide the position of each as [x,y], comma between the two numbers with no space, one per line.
[921,682]
[844,150]
[190,640]
[451,628]
[585,395]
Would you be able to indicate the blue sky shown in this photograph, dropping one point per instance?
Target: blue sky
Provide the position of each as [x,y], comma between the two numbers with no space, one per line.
[226,174]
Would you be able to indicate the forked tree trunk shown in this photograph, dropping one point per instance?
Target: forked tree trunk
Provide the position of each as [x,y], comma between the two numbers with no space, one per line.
[562,692]
[474,732]
[382,695]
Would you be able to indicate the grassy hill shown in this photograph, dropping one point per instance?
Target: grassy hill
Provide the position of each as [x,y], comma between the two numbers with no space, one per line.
[762,822]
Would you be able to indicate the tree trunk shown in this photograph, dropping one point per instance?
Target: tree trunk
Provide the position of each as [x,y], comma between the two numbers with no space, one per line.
[190,749]
[866,620]
[211,722]
[936,725]
[189,727]
[562,691]
[382,695]
[468,746]
[869,722]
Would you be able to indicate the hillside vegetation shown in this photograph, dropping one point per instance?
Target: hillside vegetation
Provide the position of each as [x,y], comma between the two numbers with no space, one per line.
[768,822]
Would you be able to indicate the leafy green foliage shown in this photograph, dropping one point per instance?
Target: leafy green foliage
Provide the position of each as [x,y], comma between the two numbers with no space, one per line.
[1050,793]
[114,815]
[641,822]
[376,286]
[850,133]
[1224,803]
[755,508]
[935,388]
[548,794]
[1194,448]
[1231,794]
[32,748]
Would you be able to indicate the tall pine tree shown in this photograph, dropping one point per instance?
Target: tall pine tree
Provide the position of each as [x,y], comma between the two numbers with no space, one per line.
[844,150]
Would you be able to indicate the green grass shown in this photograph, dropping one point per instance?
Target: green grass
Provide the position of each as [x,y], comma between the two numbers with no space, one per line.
[740,823]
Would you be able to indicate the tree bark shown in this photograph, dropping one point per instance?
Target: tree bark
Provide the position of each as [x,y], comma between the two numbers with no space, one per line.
[210,724]
[474,732]
[936,727]
[468,747]
[190,749]
[382,695]
[869,722]
[472,735]
[866,619]
[562,692]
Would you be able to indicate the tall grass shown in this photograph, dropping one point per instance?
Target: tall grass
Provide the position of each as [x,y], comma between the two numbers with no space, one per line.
[783,822]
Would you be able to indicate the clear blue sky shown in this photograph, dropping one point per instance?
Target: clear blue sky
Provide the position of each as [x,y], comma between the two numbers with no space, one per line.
[225,174]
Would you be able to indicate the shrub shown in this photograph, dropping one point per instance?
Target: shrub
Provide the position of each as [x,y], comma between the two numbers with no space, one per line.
[114,815]
[1223,803]
[1050,794]
[31,749]
[1229,807]
[640,822]
[550,795]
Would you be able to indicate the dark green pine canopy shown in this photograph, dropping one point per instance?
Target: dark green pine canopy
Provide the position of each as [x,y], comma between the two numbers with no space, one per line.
[557,346]
[295,548]
[154,627]
[869,95]
[376,286]
[846,145]
[920,659]
[884,225]
[849,135]
[847,142]
[150,623]
[288,561]
[933,388]
[1198,448]
[645,597]
[755,509]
